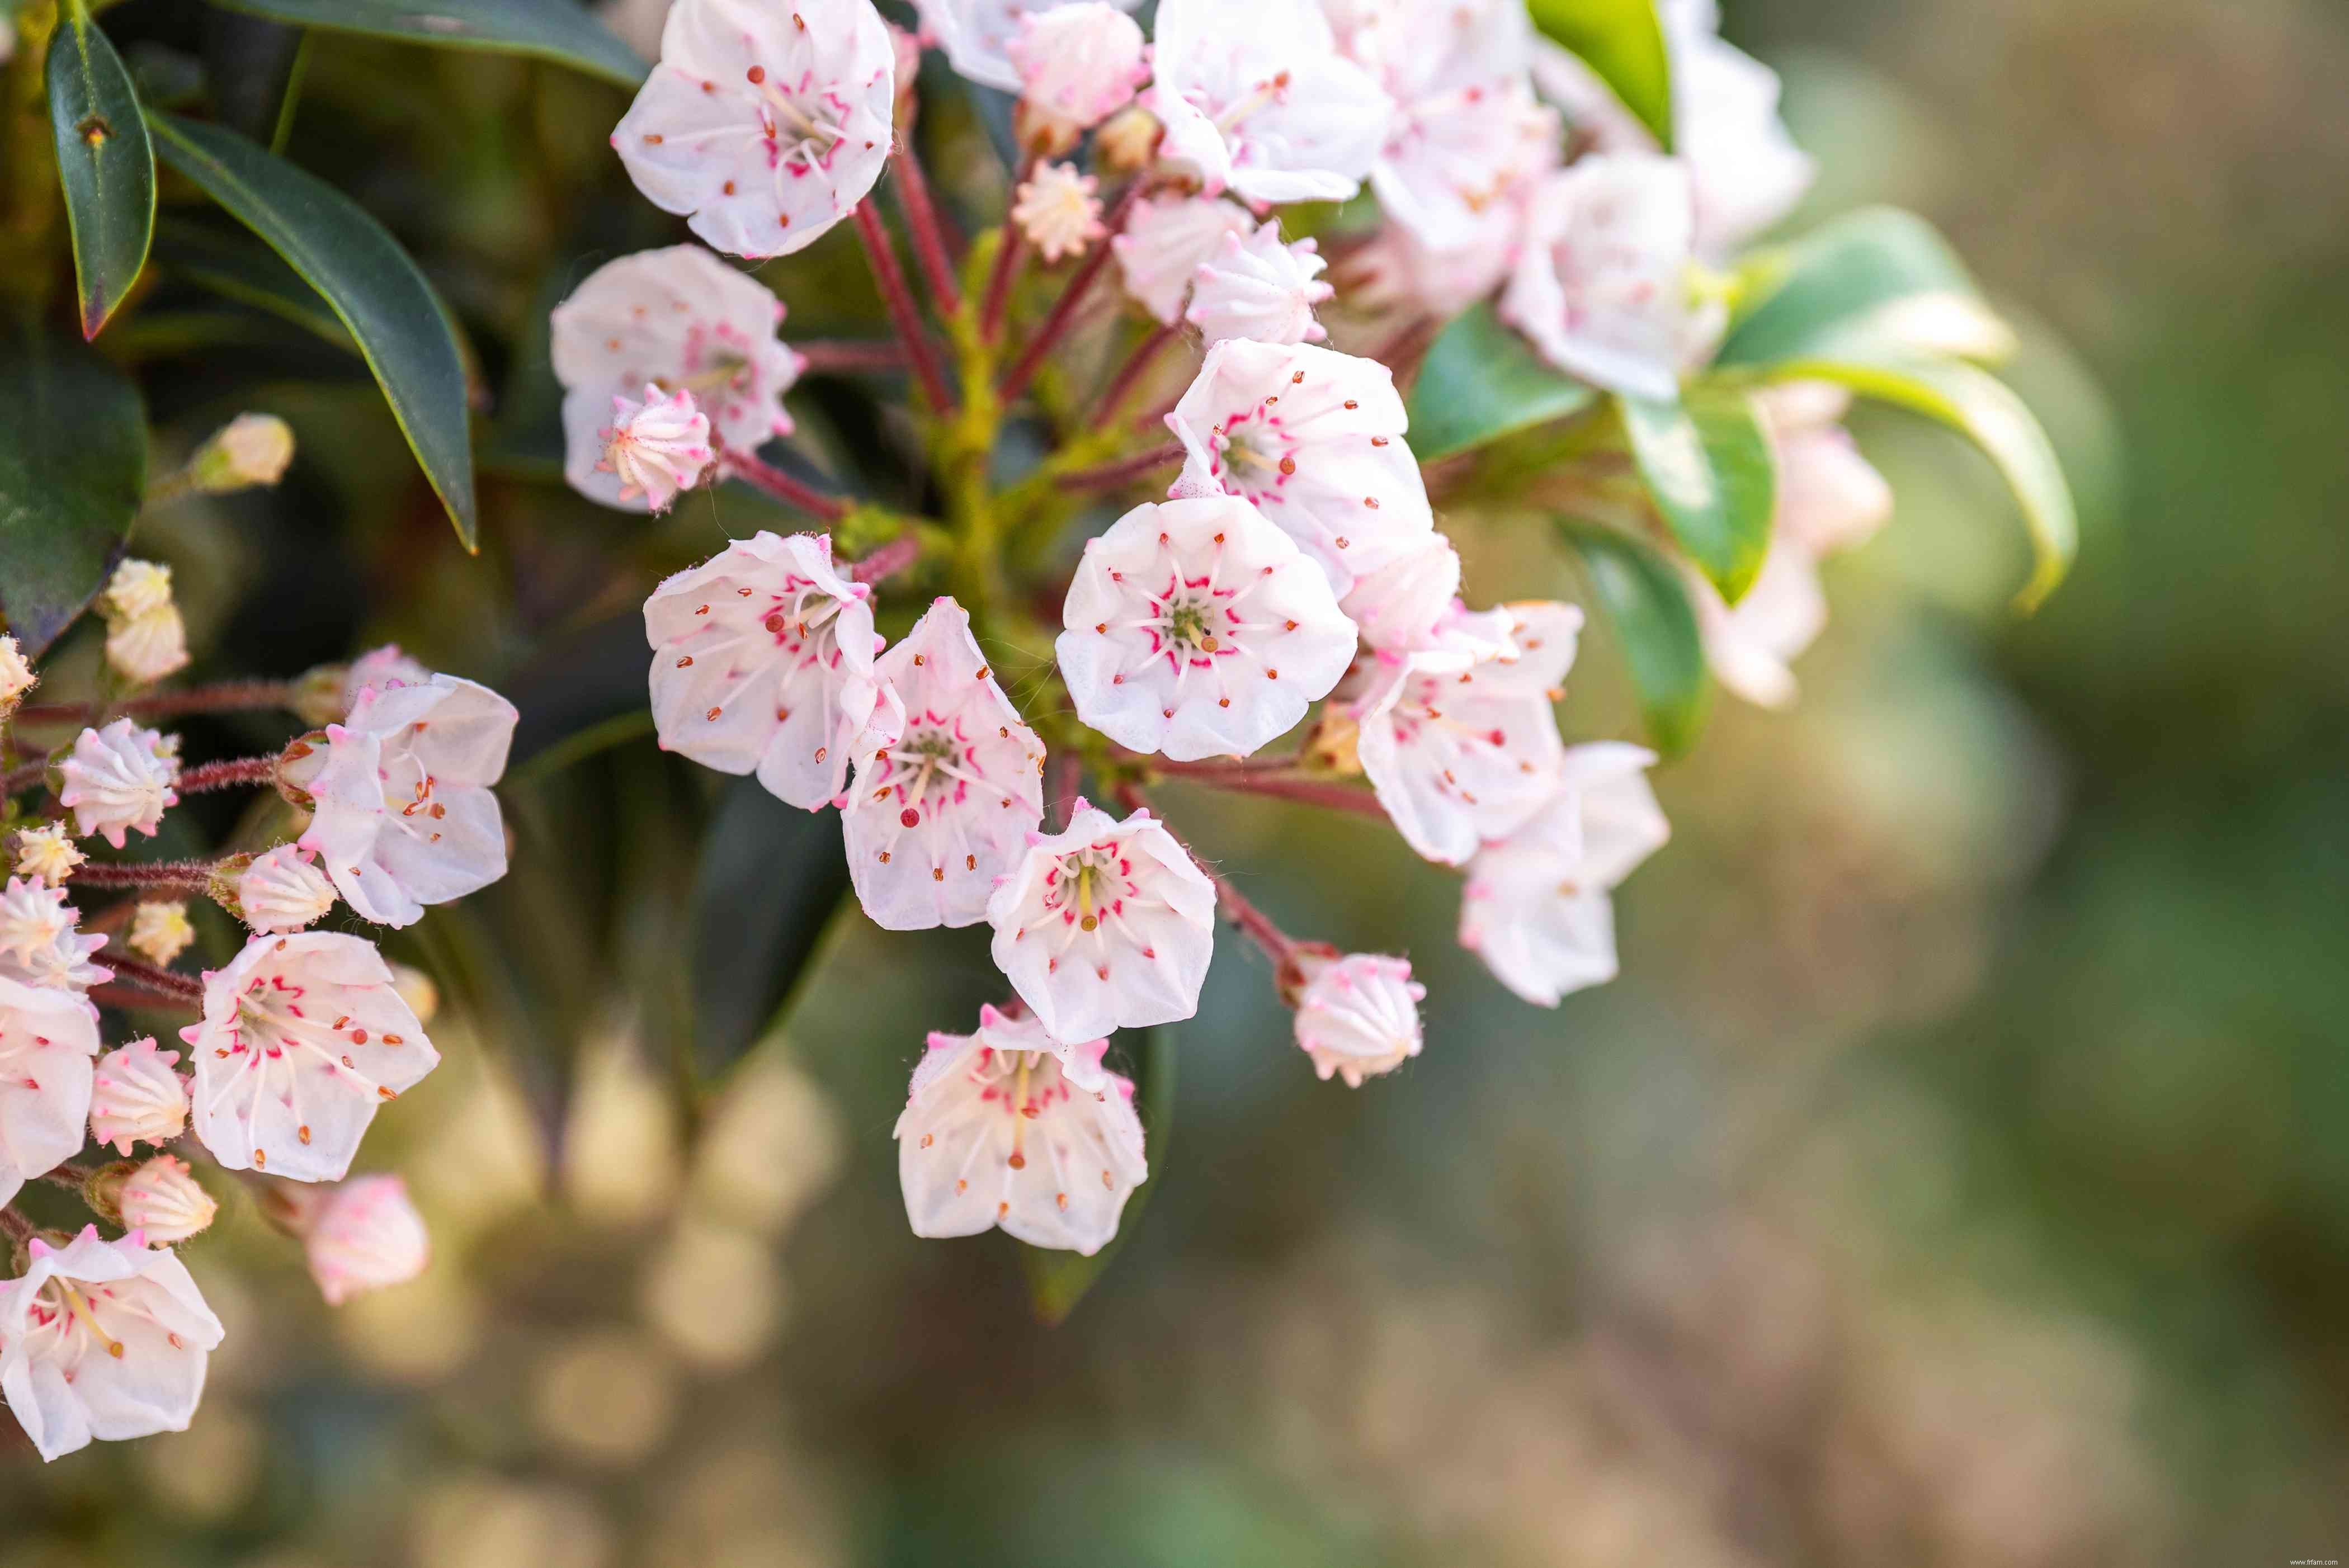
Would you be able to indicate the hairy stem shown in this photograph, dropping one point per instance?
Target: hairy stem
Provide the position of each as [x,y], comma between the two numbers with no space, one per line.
[227,774]
[1250,781]
[1064,309]
[742,466]
[228,696]
[847,357]
[194,876]
[922,223]
[161,982]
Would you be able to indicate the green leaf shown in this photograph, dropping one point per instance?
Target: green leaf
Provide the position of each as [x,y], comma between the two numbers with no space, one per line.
[556,30]
[1708,463]
[375,289]
[1986,410]
[73,471]
[1057,1279]
[105,163]
[583,692]
[1649,608]
[1623,42]
[236,266]
[771,877]
[1481,382]
[1880,268]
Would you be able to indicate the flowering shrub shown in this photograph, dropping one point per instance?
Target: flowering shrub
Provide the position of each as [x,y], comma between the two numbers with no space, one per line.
[1164,460]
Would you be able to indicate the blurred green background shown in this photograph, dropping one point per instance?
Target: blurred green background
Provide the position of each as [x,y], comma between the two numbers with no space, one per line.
[1959,1175]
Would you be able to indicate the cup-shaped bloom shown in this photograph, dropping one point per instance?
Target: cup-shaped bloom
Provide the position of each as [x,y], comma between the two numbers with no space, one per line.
[47,1039]
[1315,439]
[1257,288]
[657,447]
[359,1235]
[1751,645]
[1195,628]
[138,1097]
[949,782]
[118,779]
[1011,1127]
[1399,607]
[979,35]
[1106,926]
[281,891]
[763,125]
[680,320]
[1358,1016]
[302,1036]
[404,815]
[763,662]
[1165,242]
[163,1199]
[1746,170]
[41,942]
[104,1340]
[386,666]
[1600,285]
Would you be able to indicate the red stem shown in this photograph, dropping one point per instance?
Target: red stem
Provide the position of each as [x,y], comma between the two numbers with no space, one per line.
[886,561]
[1008,257]
[1064,309]
[742,466]
[882,252]
[1277,944]
[1131,372]
[193,875]
[1246,781]
[15,1226]
[1125,471]
[921,222]
[842,357]
[161,982]
[229,696]
[227,774]
[21,778]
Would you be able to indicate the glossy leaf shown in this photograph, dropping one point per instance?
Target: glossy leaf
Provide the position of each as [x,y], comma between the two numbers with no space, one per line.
[1880,268]
[556,30]
[105,163]
[381,298]
[1649,608]
[1480,382]
[235,266]
[1707,464]
[771,878]
[73,471]
[1058,1279]
[1623,42]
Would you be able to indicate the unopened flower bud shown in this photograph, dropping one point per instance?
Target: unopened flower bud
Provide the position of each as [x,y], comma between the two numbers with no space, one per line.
[146,647]
[160,931]
[360,1235]
[1358,1016]
[136,1096]
[657,447]
[319,694]
[118,778]
[416,988]
[1334,741]
[17,676]
[250,449]
[165,1201]
[138,588]
[282,891]
[1058,212]
[298,767]
[47,852]
[1078,66]
[1128,143]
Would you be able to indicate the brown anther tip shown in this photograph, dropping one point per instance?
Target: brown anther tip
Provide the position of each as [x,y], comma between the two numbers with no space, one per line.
[1019,1161]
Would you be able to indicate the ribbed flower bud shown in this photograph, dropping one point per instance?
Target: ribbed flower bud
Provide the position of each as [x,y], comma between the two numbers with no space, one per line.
[250,449]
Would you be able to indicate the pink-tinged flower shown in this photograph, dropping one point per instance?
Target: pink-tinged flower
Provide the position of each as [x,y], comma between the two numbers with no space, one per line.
[104,1340]
[949,782]
[1165,240]
[1314,438]
[763,662]
[17,676]
[681,320]
[359,1235]
[1746,170]
[1536,908]
[1829,497]
[656,448]
[1011,1127]
[1463,745]
[118,778]
[1358,1016]
[47,1039]
[383,666]
[1750,644]
[164,1201]
[1255,287]
[979,36]
[403,814]
[302,1038]
[764,124]
[1256,98]
[1078,65]
[1058,212]
[1195,628]
[41,942]
[281,891]
[137,1098]
[47,852]
[1399,607]
[1106,926]
[1600,285]
[161,929]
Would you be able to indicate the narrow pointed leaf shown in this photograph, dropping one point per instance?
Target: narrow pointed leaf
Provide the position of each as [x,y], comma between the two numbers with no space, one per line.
[1647,607]
[237,267]
[1708,463]
[105,163]
[771,878]
[1058,1280]
[556,30]
[390,311]
[73,471]
[1623,42]
[1880,268]
[1481,382]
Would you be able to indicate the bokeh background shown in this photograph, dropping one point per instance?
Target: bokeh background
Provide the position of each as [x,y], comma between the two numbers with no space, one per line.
[1958,1176]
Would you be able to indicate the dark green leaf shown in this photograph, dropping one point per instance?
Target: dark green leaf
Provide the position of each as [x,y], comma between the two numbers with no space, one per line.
[73,471]
[1649,608]
[556,30]
[339,249]
[1857,271]
[771,877]
[583,691]
[234,265]
[1623,42]
[1481,382]
[1058,1280]
[1708,463]
[104,161]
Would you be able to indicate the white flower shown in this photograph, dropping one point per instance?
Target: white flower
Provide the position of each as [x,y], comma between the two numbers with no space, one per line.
[159,930]
[138,588]
[1600,285]
[47,1039]
[359,1235]
[146,647]
[281,891]
[1164,243]
[656,448]
[1058,212]
[1536,908]
[1396,271]
[763,662]
[1746,170]
[1463,745]
[404,815]
[417,990]
[138,1097]
[681,320]
[163,1199]
[382,666]
[1315,439]
[1255,96]
[1258,288]
[118,779]
[1359,1015]
[1078,65]
[949,782]
[1103,926]
[1010,1127]
[250,449]
[47,852]
[1829,497]
[17,676]
[979,35]
[1749,645]
[1197,629]
[1398,607]
[765,124]
[105,1340]
[40,938]
[302,1038]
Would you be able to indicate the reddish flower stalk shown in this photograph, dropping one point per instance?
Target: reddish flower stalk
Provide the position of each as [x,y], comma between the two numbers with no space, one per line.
[843,356]
[1277,944]
[922,223]
[784,488]
[1250,781]
[882,252]
[147,977]
[228,696]
[1009,255]
[890,559]
[17,781]
[1064,309]
[227,774]
[1125,471]
[1136,364]
[193,875]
